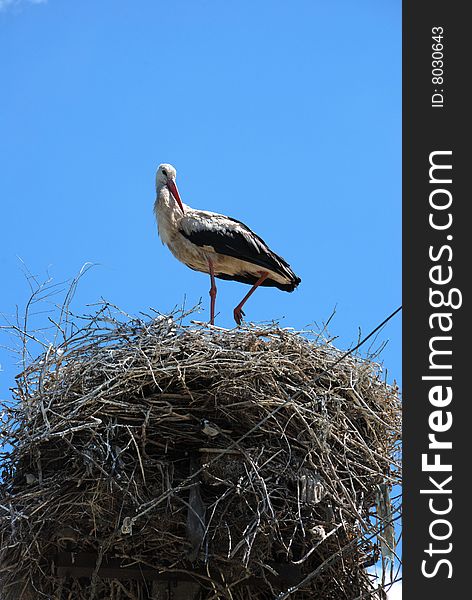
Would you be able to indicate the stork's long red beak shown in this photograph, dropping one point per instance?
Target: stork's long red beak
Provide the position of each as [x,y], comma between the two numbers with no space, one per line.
[175,192]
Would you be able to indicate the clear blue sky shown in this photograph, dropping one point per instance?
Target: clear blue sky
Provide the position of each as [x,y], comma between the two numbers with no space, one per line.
[286,116]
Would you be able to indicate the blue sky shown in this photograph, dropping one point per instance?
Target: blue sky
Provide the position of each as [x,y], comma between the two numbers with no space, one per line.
[286,116]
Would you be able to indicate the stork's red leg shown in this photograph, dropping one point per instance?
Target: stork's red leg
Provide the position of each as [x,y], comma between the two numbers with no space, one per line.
[212,293]
[238,311]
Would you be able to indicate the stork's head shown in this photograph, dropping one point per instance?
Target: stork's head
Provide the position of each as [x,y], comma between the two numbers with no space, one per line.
[165,177]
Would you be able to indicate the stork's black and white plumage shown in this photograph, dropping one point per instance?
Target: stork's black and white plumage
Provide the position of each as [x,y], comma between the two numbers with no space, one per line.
[216,244]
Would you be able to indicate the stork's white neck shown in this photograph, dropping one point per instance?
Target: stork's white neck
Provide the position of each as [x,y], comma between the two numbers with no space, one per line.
[168,214]
[167,201]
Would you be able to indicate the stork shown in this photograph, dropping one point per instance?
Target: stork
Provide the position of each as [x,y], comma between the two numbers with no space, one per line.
[216,244]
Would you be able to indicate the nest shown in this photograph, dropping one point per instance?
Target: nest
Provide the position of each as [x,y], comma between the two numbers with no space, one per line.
[150,459]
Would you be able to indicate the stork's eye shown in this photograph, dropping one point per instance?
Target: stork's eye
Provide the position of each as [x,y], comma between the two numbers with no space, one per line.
[164,172]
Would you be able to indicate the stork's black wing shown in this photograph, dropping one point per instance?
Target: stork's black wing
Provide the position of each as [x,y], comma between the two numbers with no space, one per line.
[230,237]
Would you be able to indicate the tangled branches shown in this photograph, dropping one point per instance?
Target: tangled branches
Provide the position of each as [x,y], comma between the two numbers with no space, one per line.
[229,464]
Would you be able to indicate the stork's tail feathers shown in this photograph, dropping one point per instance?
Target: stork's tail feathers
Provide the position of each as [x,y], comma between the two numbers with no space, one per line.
[293,284]
[251,280]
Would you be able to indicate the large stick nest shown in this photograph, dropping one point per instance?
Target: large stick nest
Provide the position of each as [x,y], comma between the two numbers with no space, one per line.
[247,461]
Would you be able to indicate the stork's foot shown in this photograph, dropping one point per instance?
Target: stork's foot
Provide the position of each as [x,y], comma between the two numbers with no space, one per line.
[238,315]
